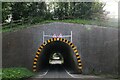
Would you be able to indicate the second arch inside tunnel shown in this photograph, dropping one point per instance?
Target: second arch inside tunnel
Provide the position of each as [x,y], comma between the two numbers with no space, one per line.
[70,62]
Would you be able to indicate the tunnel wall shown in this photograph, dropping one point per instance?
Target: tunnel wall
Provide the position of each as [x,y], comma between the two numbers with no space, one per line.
[97,46]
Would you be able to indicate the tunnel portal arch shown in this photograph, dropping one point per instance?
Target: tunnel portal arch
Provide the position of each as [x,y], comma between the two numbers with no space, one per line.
[53,40]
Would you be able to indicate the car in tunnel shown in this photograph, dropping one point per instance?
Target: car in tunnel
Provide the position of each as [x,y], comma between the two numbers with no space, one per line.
[56,58]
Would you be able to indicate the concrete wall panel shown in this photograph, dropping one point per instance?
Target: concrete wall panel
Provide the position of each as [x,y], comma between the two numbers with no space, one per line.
[97,46]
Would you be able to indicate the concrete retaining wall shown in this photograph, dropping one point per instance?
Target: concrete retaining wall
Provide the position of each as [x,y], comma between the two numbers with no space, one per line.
[97,46]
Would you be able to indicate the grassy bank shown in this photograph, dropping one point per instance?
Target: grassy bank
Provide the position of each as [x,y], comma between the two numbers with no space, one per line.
[106,23]
[16,73]
[110,23]
[10,28]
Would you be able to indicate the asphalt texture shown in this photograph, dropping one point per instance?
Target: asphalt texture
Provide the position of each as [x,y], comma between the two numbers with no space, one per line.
[58,72]
[55,71]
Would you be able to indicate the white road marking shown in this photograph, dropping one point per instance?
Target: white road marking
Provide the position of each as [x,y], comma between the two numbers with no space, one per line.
[38,76]
[69,73]
[44,73]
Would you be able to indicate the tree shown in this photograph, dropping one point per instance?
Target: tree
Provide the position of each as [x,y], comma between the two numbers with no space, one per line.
[97,11]
[5,11]
[37,9]
[81,10]
[62,10]
[19,10]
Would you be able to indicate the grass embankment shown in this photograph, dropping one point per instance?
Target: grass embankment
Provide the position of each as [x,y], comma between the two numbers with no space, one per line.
[78,21]
[10,28]
[106,23]
[16,73]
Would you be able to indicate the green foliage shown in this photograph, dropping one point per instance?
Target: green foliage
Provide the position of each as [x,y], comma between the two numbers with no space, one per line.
[15,27]
[77,21]
[5,10]
[21,10]
[39,12]
[81,10]
[101,23]
[37,9]
[61,10]
[15,73]
[36,20]
[0,73]
[17,12]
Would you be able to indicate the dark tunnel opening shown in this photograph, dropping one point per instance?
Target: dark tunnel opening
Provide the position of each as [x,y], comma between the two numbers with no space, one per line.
[70,61]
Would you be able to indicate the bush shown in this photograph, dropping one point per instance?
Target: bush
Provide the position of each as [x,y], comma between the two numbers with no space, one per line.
[16,73]
[36,20]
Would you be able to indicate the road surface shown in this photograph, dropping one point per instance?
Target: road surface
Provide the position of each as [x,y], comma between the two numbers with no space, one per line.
[58,72]
[55,71]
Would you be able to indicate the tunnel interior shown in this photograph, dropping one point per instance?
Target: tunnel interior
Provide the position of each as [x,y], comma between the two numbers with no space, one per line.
[70,61]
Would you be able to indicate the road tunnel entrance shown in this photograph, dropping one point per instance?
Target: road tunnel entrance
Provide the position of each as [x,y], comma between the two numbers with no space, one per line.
[57,50]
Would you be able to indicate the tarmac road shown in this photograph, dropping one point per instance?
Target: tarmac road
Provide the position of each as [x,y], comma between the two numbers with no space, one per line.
[55,71]
[58,72]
